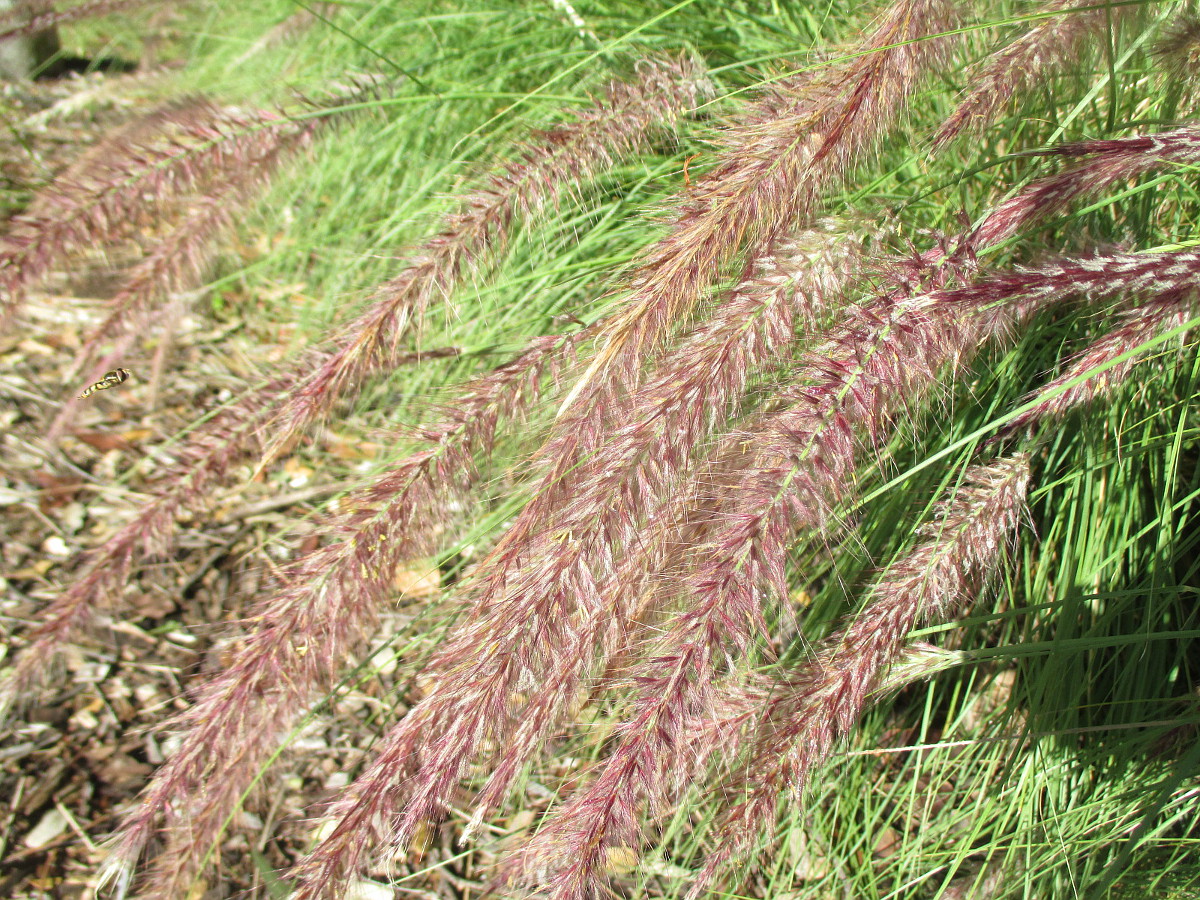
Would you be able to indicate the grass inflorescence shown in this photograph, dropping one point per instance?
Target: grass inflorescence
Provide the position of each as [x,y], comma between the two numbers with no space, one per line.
[791,415]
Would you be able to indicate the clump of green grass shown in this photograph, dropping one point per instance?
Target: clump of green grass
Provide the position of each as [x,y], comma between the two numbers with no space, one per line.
[814,420]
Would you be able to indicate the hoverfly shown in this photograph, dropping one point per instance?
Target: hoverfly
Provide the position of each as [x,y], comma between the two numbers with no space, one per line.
[110,379]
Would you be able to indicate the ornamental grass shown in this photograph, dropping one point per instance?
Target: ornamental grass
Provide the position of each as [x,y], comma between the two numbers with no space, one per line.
[599,449]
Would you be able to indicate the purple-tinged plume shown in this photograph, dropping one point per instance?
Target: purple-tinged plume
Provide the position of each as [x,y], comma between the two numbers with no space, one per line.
[916,338]
[306,633]
[1109,162]
[620,484]
[783,476]
[1106,363]
[629,116]
[1063,34]
[804,714]
[177,262]
[529,602]
[106,569]
[777,162]
[103,205]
